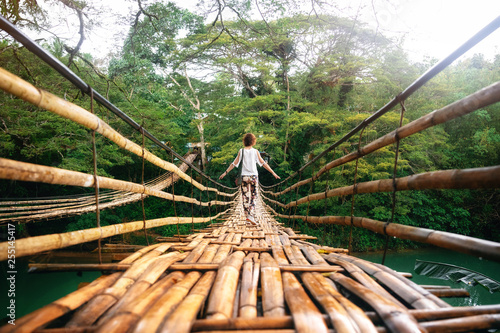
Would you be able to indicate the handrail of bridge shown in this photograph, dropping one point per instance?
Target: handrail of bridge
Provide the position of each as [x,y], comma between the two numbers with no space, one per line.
[36,244]
[424,78]
[455,242]
[471,103]
[21,171]
[67,73]
[32,210]
[24,90]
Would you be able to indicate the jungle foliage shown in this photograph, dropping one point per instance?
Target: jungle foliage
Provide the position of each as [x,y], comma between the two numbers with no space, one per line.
[298,82]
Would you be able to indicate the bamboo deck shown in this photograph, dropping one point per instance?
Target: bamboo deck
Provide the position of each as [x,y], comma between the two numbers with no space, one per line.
[235,277]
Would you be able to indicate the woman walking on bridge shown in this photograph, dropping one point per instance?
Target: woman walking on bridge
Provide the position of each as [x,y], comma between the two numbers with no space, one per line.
[249,174]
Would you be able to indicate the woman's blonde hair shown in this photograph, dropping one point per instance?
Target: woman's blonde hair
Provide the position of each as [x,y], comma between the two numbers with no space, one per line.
[249,139]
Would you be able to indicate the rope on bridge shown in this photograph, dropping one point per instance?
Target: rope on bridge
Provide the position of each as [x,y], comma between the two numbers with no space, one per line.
[478,100]
[38,97]
[57,208]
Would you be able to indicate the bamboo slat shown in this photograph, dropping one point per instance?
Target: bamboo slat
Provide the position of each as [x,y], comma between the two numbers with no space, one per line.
[396,318]
[306,317]
[249,283]
[183,317]
[128,316]
[358,318]
[156,314]
[273,302]
[145,281]
[338,315]
[220,301]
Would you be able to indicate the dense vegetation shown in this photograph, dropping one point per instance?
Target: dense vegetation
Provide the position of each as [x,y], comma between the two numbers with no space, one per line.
[298,82]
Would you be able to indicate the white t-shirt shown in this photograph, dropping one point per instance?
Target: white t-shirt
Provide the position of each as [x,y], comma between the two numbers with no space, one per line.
[250,161]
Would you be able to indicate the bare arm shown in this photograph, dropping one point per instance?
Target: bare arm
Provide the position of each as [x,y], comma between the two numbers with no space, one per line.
[267,167]
[231,166]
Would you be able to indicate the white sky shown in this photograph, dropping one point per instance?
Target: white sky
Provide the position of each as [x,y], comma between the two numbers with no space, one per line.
[429,28]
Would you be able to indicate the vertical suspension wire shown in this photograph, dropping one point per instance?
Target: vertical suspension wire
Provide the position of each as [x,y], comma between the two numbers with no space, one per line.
[173,200]
[394,176]
[201,192]
[143,187]
[96,179]
[289,208]
[309,194]
[355,191]
[296,198]
[327,180]
[192,203]
[216,199]
[209,206]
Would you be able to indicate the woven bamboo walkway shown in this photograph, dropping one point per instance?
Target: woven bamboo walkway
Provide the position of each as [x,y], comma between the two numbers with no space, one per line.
[265,278]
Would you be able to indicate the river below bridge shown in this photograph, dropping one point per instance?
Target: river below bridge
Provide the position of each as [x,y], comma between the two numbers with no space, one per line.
[36,290]
[404,261]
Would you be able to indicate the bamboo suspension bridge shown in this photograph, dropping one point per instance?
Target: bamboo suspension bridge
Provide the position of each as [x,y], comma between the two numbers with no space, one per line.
[231,276]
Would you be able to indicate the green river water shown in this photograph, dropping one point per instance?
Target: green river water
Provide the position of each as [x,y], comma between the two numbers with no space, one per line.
[33,291]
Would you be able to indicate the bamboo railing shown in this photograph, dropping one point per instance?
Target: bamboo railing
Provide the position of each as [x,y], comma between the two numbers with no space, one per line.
[480,99]
[24,90]
[465,244]
[36,244]
[57,208]
[15,170]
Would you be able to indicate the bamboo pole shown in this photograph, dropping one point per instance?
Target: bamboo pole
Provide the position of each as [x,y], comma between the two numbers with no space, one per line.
[449,292]
[475,101]
[62,306]
[455,312]
[24,90]
[478,178]
[306,317]
[221,299]
[184,316]
[37,244]
[476,323]
[464,244]
[14,170]
[128,316]
[273,302]
[244,324]
[396,318]
[152,320]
